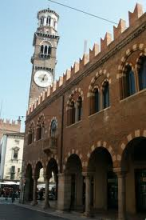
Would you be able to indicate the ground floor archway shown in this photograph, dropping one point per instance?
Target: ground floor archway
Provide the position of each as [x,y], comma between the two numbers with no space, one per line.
[134,164]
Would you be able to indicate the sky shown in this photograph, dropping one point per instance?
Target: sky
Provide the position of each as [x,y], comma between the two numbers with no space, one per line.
[18,22]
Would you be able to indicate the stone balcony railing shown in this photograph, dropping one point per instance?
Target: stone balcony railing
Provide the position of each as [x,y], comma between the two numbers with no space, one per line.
[50,145]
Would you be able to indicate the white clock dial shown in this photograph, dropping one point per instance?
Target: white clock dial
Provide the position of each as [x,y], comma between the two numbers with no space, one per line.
[43,78]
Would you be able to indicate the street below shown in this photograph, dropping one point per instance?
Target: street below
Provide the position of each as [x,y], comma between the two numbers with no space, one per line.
[13,212]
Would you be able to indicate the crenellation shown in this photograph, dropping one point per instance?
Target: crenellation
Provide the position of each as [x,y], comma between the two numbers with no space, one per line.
[64,78]
[43,95]
[37,102]
[119,29]
[33,106]
[48,91]
[39,99]
[74,68]
[29,109]
[106,41]
[68,74]
[54,86]
[93,52]
[83,61]
[133,16]
[60,81]
[57,84]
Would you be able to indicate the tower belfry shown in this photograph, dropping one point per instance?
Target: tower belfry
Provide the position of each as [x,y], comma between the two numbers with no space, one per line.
[44,58]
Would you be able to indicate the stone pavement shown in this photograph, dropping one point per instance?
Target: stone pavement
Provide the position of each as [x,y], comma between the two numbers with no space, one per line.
[13,212]
[67,215]
[80,216]
[52,213]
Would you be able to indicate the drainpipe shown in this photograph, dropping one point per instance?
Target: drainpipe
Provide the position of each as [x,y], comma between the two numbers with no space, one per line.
[62,129]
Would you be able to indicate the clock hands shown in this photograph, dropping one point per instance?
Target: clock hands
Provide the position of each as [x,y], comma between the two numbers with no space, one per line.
[43,78]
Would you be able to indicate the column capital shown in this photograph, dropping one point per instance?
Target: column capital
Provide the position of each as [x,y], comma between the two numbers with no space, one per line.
[119,171]
[88,174]
[63,174]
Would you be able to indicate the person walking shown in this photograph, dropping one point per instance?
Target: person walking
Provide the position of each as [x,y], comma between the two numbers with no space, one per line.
[13,196]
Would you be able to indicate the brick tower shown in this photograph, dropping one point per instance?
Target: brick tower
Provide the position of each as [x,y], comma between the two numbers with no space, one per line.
[44,58]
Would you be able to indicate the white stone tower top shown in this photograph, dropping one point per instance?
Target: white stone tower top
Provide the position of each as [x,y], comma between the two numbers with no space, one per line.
[48,21]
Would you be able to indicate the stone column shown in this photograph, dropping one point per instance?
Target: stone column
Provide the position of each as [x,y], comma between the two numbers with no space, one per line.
[46,202]
[79,192]
[87,194]
[64,192]
[34,202]
[121,194]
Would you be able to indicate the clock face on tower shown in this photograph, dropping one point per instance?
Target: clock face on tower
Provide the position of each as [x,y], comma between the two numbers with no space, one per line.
[43,78]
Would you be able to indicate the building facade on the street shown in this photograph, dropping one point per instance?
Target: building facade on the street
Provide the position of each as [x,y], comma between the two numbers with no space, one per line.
[11,155]
[89,128]
[7,126]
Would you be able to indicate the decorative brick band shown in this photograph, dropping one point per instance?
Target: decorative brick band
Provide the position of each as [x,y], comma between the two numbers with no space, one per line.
[129,51]
[73,151]
[93,80]
[104,145]
[135,134]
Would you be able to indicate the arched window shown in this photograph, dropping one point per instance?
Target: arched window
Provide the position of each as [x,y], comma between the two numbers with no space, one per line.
[49,50]
[72,112]
[42,21]
[42,49]
[15,153]
[45,51]
[38,132]
[96,100]
[30,135]
[53,128]
[105,92]
[55,24]
[79,108]
[142,73]
[48,20]
[130,81]
[40,129]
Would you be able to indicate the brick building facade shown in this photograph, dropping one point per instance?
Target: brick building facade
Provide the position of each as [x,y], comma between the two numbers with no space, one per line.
[89,128]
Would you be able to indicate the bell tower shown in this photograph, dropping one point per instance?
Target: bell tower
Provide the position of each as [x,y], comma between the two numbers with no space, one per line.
[44,58]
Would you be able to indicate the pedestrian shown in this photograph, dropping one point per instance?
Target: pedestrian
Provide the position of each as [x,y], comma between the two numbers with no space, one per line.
[13,196]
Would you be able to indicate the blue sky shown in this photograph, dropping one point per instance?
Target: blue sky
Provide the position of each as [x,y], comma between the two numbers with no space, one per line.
[18,23]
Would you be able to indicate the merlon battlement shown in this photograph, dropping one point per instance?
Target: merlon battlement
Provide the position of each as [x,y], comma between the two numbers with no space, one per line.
[9,122]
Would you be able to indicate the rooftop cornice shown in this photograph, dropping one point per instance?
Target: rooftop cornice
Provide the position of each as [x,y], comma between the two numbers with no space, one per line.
[47,10]
[47,35]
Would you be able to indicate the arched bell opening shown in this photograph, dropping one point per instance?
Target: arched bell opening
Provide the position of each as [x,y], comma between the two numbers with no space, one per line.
[134,164]
[103,181]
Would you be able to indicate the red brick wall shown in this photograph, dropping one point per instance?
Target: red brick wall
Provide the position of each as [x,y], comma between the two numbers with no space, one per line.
[109,127]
